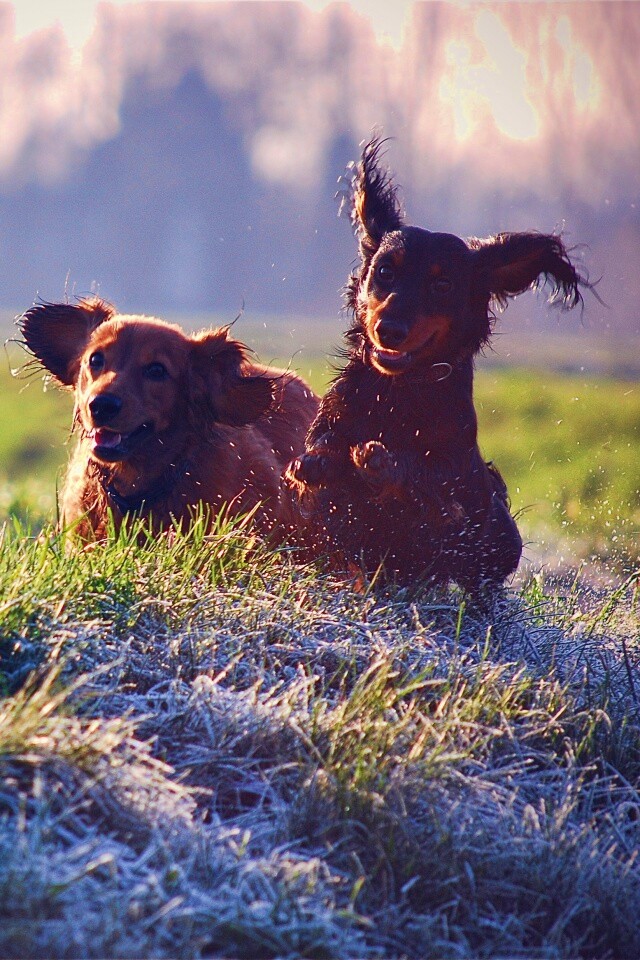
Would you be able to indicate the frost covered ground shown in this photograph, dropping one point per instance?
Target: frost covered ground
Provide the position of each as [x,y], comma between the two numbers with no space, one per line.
[208,750]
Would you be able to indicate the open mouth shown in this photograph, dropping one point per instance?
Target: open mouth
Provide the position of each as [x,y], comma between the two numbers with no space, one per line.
[397,361]
[391,361]
[110,445]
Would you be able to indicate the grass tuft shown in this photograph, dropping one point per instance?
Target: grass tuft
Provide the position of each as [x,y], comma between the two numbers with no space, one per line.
[208,750]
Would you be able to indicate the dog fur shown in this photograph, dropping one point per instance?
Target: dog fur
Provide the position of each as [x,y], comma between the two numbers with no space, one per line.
[392,472]
[166,421]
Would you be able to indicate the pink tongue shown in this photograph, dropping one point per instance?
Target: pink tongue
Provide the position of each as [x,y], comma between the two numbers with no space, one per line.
[106,438]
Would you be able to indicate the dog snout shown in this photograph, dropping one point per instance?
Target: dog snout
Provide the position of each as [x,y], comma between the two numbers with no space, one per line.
[390,333]
[104,408]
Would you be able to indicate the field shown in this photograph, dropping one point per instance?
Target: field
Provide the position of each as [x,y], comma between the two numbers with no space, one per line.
[207,749]
[567,444]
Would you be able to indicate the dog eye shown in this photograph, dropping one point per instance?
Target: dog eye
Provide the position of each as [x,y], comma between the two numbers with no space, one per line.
[156,371]
[96,361]
[442,285]
[385,274]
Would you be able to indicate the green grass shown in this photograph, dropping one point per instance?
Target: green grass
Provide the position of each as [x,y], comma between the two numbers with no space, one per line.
[567,446]
[34,443]
[208,750]
[569,449]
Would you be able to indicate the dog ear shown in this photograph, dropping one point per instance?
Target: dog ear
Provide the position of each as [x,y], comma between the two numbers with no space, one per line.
[376,209]
[57,334]
[223,384]
[510,263]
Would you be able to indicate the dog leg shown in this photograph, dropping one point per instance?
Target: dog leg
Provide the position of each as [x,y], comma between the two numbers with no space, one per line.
[379,469]
[311,470]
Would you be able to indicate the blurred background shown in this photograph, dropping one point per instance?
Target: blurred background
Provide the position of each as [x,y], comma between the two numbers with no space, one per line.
[182,158]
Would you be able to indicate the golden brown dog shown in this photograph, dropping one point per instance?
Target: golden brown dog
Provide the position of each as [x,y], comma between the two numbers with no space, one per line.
[167,421]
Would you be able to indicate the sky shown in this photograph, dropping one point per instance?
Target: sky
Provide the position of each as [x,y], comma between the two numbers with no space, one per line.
[499,81]
[500,115]
[77,17]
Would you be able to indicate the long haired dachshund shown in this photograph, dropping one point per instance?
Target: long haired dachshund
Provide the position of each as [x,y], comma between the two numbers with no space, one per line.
[166,421]
[392,472]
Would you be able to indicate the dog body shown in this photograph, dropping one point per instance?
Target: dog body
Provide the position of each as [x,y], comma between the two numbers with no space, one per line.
[395,485]
[392,472]
[167,421]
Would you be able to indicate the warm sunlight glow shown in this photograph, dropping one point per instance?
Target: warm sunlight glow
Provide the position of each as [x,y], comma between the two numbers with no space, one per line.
[581,75]
[389,20]
[77,20]
[495,84]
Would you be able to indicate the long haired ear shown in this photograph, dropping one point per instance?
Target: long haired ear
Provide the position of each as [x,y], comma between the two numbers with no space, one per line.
[57,334]
[222,383]
[376,209]
[510,263]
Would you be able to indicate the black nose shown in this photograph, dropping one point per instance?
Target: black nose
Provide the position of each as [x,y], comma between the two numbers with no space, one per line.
[391,334]
[104,408]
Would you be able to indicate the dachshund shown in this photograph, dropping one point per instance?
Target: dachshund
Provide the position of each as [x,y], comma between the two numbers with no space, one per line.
[166,421]
[392,478]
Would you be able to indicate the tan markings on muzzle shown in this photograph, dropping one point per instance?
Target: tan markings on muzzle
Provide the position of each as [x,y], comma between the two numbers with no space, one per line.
[375,309]
[433,329]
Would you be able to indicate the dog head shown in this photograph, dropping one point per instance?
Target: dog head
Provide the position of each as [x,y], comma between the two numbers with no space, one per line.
[141,385]
[420,297]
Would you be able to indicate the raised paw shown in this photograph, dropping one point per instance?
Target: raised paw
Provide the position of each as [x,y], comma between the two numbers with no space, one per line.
[374,464]
[308,470]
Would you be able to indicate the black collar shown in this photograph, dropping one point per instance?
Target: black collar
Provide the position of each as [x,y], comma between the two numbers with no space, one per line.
[137,502]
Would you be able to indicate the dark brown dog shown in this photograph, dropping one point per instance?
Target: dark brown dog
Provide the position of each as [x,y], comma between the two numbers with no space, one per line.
[392,472]
[167,421]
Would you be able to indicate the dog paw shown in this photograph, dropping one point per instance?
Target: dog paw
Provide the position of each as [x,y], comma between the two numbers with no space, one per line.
[454,514]
[374,464]
[308,470]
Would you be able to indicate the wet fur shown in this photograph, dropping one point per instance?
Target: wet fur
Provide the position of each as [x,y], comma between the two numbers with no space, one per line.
[392,472]
[222,428]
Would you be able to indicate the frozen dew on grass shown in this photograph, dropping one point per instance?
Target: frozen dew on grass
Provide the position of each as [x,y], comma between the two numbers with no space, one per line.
[206,749]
